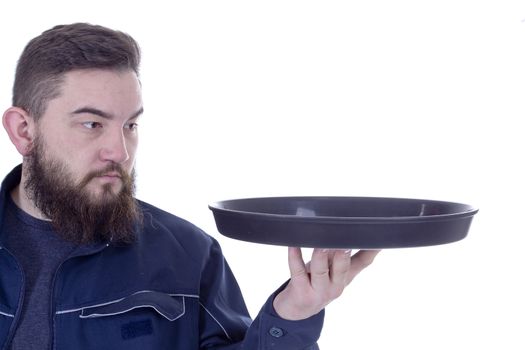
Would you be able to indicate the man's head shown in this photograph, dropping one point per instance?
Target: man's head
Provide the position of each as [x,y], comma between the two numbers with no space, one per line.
[76,100]
[64,48]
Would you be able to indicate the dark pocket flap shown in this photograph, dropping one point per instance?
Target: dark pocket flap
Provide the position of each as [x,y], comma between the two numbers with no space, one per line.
[170,307]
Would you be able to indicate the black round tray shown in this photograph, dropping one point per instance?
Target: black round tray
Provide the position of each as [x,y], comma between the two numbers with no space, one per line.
[343,222]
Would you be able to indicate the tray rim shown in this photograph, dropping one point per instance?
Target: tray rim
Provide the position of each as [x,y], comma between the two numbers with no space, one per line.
[217,207]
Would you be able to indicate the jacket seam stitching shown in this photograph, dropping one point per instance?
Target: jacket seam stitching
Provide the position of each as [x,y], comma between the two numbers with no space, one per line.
[67,311]
[137,307]
[217,321]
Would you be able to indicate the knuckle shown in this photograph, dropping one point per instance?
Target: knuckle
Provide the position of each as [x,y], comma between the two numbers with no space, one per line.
[321,273]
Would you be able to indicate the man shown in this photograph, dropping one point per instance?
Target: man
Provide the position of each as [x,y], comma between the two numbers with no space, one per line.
[83,264]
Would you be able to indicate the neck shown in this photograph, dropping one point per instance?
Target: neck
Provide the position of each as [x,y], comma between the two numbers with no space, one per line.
[21,199]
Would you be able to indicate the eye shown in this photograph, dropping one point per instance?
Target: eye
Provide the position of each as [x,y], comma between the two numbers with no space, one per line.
[132,126]
[92,125]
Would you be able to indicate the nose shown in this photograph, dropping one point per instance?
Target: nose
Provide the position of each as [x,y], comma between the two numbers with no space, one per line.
[115,148]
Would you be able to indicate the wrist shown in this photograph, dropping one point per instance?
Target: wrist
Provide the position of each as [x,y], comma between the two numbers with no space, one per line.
[289,310]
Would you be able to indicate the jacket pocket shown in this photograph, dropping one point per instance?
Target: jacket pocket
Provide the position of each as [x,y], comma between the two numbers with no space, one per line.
[169,307]
[144,320]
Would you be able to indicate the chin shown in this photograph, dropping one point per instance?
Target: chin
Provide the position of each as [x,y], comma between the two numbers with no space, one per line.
[105,193]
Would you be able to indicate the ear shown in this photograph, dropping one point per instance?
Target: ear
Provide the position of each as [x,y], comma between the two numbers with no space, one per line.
[20,128]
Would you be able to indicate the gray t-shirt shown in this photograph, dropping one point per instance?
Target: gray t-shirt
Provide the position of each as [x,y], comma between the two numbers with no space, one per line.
[39,252]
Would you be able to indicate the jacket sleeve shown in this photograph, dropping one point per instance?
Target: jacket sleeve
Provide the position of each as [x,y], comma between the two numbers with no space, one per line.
[225,323]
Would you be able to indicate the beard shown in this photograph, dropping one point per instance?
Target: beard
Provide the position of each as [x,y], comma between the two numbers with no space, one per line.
[76,215]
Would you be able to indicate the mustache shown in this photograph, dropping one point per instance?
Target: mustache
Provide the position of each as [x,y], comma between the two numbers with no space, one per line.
[111,168]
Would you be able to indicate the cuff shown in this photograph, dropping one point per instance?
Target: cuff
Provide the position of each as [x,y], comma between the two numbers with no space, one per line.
[278,333]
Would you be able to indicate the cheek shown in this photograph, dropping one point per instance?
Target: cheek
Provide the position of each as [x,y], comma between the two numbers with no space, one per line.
[60,142]
[132,146]
[56,149]
[76,156]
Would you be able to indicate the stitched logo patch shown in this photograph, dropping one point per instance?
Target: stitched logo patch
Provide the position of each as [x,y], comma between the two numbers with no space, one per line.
[136,329]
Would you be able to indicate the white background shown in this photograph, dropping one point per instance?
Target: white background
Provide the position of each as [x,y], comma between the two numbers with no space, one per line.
[414,99]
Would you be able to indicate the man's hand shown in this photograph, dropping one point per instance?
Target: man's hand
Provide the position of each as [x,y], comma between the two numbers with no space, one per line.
[316,284]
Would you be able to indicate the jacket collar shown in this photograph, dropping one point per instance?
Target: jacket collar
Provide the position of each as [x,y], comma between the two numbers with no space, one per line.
[11,181]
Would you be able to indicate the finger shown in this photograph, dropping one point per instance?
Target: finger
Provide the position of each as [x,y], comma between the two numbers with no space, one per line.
[296,264]
[320,269]
[308,270]
[340,267]
[360,261]
[331,254]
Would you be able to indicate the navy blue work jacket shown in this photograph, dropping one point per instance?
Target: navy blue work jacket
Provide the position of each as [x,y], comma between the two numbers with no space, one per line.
[171,289]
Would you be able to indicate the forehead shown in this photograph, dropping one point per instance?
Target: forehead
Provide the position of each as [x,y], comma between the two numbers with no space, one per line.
[116,92]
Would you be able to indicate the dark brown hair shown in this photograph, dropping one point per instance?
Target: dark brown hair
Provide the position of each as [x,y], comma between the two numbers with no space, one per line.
[64,48]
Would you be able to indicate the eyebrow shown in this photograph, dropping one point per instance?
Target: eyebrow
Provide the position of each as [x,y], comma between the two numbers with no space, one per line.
[100,113]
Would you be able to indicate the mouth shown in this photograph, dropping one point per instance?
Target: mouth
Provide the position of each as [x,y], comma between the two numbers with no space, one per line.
[111,177]
[105,176]
[111,174]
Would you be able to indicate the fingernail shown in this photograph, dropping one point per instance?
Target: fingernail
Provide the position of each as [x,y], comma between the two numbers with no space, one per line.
[324,250]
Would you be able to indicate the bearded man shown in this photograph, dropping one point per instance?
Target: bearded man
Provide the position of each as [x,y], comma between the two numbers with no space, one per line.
[85,265]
